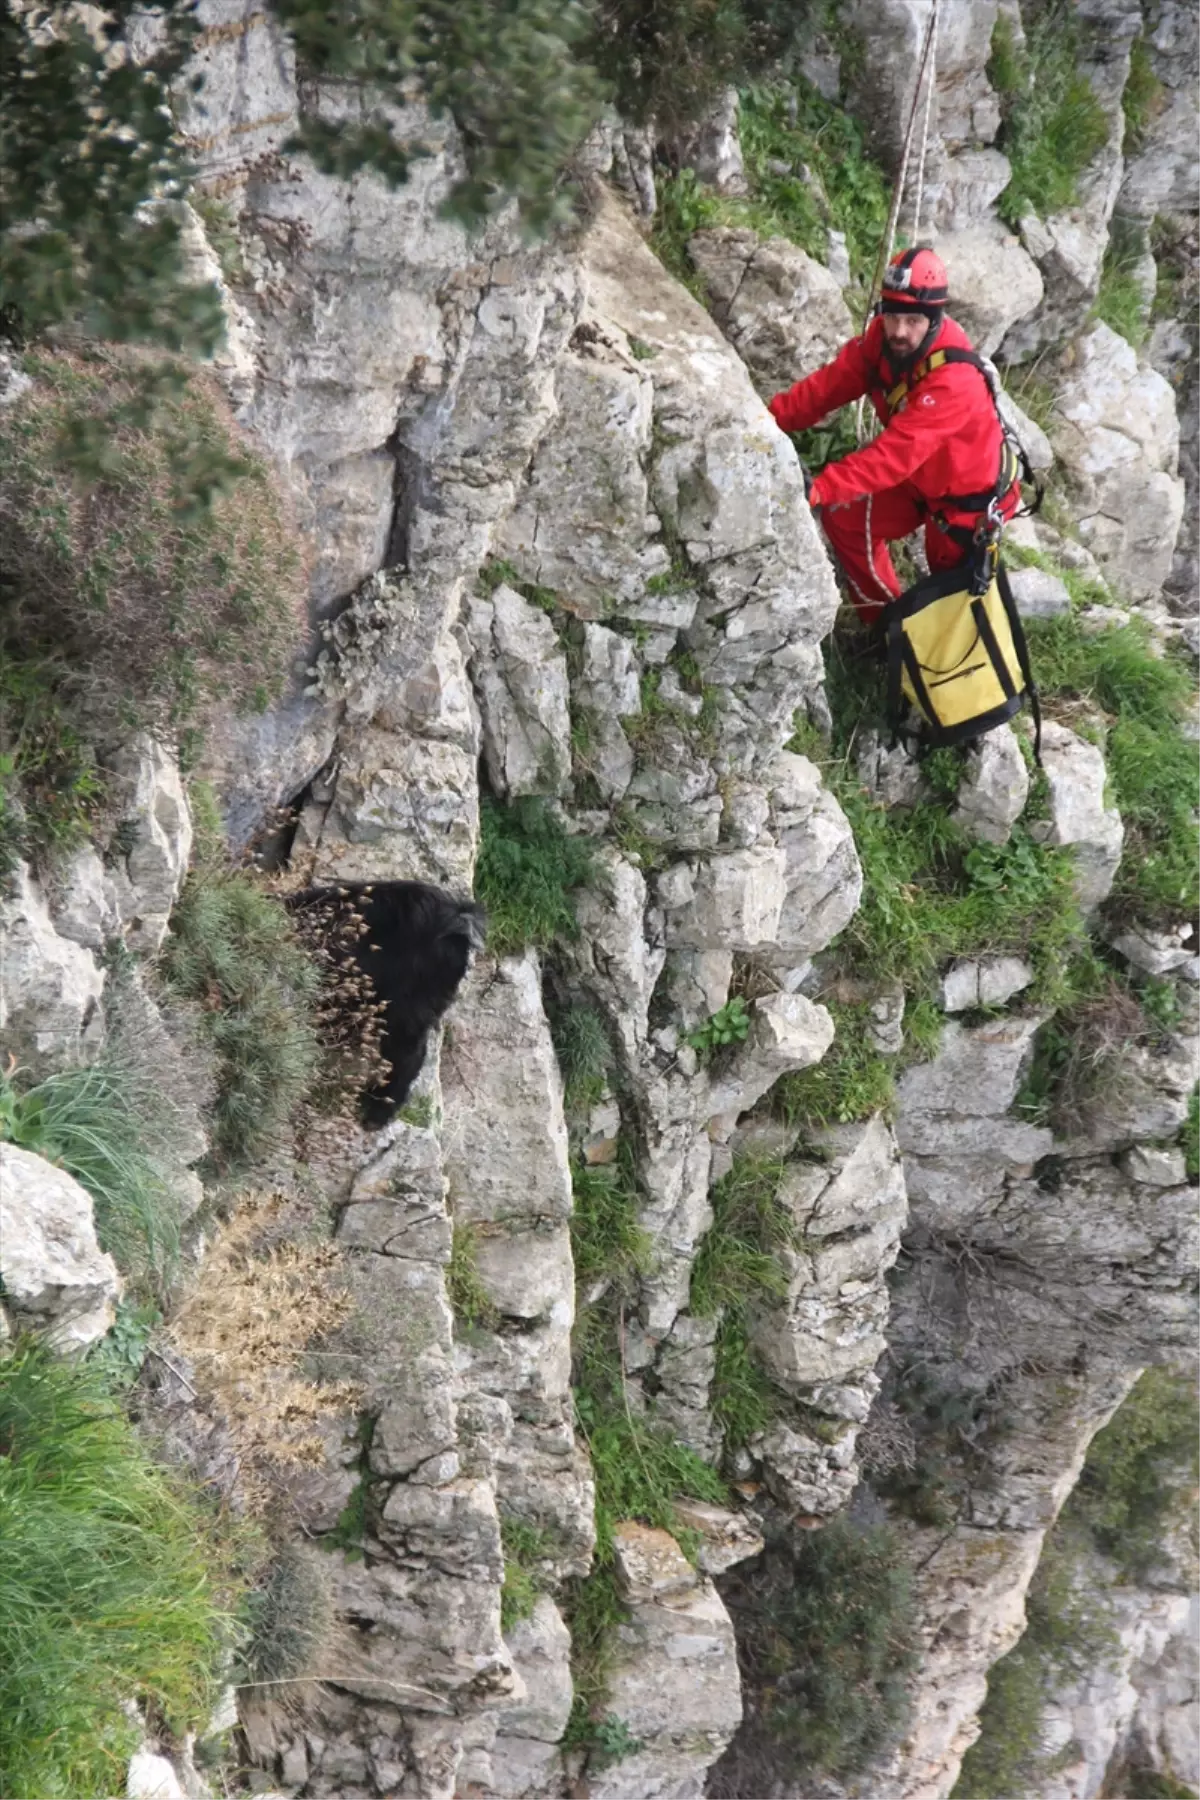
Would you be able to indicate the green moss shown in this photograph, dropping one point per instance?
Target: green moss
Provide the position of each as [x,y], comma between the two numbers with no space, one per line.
[851,1081]
[1120,300]
[1190,1139]
[831,183]
[606,1239]
[1140,1470]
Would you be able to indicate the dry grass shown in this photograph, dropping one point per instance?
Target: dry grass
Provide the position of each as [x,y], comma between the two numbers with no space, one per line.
[244,1327]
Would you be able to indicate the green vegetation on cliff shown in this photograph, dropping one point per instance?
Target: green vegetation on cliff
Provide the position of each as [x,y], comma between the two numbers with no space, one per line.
[111,1589]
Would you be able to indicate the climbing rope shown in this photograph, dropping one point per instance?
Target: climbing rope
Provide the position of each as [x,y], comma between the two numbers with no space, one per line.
[865,423]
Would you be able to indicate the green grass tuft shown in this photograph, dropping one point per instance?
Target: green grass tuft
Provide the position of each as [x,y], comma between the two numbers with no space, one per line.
[103,1125]
[851,1081]
[526,1547]
[109,1586]
[1120,300]
[584,1051]
[470,1301]
[528,870]
[1145,700]
[233,950]
[1142,99]
[1053,122]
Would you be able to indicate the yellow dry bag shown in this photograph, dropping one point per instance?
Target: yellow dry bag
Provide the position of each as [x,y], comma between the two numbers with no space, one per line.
[959,657]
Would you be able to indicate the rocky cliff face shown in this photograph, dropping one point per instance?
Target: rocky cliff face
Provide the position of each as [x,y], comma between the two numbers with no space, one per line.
[572,420]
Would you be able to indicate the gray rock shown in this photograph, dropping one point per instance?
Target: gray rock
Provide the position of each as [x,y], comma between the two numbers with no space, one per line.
[994,282]
[1039,594]
[736,902]
[884,1026]
[712,148]
[782,311]
[822,873]
[152,1777]
[726,1538]
[787,1032]
[890,773]
[520,675]
[1116,433]
[994,788]
[1079,817]
[56,1278]
[975,1075]
[674,1683]
[614,955]
[988,982]
[83,901]
[50,1015]
[541,1652]
[1153,1167]
[151,805]
[1154,952]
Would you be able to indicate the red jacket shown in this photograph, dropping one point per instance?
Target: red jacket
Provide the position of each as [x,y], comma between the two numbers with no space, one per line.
[943,439]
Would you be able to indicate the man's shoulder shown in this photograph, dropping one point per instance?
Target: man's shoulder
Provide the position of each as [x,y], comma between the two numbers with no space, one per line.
[953,337]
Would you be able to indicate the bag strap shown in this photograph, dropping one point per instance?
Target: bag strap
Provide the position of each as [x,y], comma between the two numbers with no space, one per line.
[1021,646]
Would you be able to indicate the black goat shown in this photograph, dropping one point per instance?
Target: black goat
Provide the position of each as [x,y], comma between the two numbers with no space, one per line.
[414,943]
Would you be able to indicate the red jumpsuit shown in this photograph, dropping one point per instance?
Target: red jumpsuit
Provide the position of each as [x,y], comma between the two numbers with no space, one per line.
[942,439]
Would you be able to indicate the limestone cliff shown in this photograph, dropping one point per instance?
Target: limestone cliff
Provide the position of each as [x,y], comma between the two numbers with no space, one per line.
[558,549]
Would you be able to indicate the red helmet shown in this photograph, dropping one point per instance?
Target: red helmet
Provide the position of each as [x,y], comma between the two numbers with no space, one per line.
[915,278]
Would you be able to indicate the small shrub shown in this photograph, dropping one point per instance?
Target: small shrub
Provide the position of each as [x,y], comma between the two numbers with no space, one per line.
[110,1589]
[288,1616]
[103,1125]
[1142,98]
[1140,1470]
[119,1355]
[244,1326]
[1053,122]
[528,870]
[159,605]
[470,1301]
[728,1026]
[826,1628]
[233,950]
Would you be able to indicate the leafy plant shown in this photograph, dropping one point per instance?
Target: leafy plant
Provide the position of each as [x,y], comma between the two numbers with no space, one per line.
[726,1027]
[104,1125]
[119,1355]
[528,869]
[233,950]
[110,1587]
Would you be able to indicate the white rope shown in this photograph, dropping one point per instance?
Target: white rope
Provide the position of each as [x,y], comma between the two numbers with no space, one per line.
[929,92]
[866,425]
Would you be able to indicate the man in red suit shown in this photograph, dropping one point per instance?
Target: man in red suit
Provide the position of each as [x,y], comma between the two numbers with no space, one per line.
[941,457]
